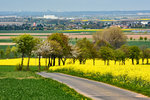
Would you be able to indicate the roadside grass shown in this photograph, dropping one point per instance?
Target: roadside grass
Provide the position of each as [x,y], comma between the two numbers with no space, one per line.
[23,85]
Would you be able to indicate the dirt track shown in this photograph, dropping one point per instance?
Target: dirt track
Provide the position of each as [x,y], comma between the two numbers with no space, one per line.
[7,43]
[70,36]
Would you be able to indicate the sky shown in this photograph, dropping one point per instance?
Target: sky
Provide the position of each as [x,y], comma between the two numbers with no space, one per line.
[73,5]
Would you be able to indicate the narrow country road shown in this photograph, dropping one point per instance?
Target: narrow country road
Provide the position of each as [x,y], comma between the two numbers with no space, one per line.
[93,89]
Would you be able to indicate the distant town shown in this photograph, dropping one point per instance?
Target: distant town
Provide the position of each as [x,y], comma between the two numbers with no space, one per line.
[81,21]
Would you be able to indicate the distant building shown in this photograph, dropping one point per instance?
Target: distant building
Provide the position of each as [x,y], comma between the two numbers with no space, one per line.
[34,24]
[144,22]
[50,17]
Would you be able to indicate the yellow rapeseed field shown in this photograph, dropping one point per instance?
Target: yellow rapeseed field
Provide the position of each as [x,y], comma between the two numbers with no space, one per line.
[33,61]
[132,71]
[76,30]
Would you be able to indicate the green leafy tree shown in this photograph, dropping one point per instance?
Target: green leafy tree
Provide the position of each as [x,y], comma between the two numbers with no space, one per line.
[1,53]
[134,53]
[25,45]
[63,40]
[143,53]
[8,51]
[125,49]
[145,38]
[83,55]
[141,38]
[55,50]
[131,38]
[147,54]
[14,51]
[87,50]
[119,55]
[106,54]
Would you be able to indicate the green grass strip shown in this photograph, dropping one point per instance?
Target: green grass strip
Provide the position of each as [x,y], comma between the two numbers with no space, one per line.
[25,85]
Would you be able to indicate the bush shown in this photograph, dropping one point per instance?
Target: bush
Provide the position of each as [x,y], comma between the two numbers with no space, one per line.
[18,67]
[141,38]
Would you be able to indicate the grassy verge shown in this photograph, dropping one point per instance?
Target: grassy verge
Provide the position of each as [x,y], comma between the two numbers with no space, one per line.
[135,84]
[24,85]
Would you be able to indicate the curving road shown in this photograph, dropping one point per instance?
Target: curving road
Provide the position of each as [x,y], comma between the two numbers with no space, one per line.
[93,89]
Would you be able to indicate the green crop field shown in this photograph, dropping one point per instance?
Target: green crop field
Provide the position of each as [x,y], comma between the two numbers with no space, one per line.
[129,43]
[139,43]
[5,46]
[6,40]
[73,41]
[24,85]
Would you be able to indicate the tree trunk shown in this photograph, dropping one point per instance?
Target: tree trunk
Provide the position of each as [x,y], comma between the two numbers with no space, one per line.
[143,61]
[39,62]
[53,61]
[147,61]
[28,63]
[124,62]
[22,60]
[80,61]
[59,61]
[107,62]
[93,61]
[46,63]
[49,63]
[84,61]
[132,61]
[74,60]
[119,62]
[63,61]
[115,62]
[104,62]
[137,61]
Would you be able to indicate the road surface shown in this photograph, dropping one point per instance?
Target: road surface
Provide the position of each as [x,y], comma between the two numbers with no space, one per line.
[93,89]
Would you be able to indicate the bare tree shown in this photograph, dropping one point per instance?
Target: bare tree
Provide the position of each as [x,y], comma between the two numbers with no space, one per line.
[112,36]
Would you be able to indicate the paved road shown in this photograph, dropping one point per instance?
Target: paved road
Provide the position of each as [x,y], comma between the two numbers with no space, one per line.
[93,89]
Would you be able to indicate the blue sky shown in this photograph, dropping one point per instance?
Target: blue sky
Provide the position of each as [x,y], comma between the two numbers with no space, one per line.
[73,5]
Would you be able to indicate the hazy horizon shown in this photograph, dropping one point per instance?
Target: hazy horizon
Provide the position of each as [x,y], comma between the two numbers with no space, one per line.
[74,5]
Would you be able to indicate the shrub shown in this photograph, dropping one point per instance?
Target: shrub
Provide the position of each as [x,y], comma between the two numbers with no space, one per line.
[18,67]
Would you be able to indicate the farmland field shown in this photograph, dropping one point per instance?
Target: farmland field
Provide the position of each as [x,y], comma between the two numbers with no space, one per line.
[23,85]
[62,31]
[132,77]
[74,35]
[73,41]
[139,43]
